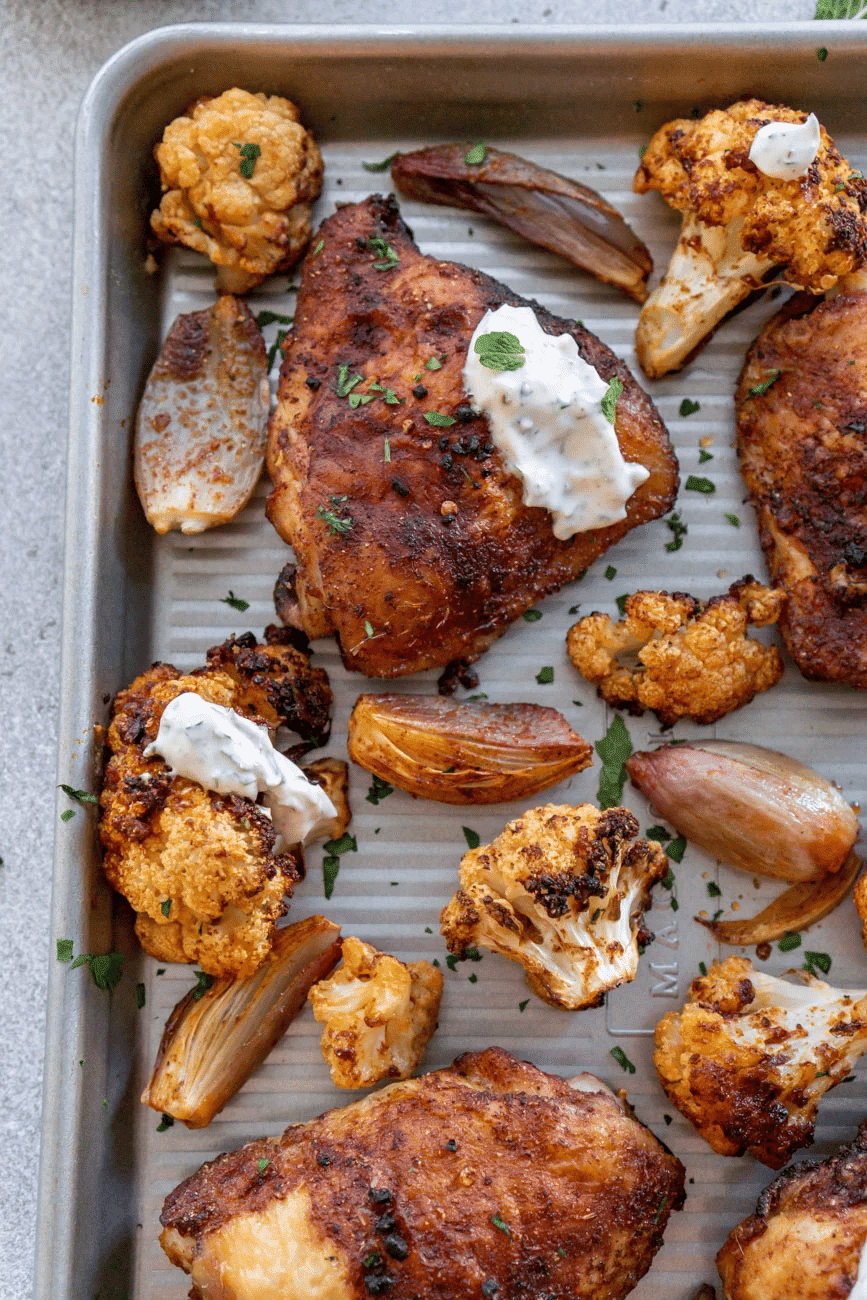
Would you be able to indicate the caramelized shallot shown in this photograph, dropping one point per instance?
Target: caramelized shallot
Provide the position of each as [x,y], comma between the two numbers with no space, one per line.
[750,807]
[543,206]
[792,911]
[214,1039]
[464,753]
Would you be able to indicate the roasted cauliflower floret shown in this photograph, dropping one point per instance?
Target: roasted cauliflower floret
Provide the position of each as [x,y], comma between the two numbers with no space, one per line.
[750,1056]
[239,175]
[200,868]
[739,225]
[681,657]
[562,891]
[378,1015]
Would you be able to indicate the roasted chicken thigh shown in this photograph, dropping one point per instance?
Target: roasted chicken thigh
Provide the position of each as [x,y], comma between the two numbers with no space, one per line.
[412,541]
[487,1178]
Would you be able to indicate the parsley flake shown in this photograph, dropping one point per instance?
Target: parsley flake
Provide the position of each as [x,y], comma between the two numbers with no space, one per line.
[678,528]
[812,960]
[821,54]
[609,398]
[452,961]
[545,676]
[667,880]
[250,153]
[532,615]
[675,849]
[262,1164]
[522,1006]
[702,968]
[433,364]
[386,451]
[472,837]
[140,996]
[203,983]
[64,950]
[622,1059]
[388,257]
[368,629]
[67,814]
[703,456]
[614,748]
[610,572]
[318,249]
[235,601]
[658,833]
[500,350]
[789,942]
[106,969]
[733,520]
[272,317]
[166,906]
[713,889]
[379,790]
[501,1225]
[166,1121]
[336,523]
[381,166]
[688,407]
[359,399]
[81,796]
[620,601]
[696,484]
[276,346]
[763,387]
[331,862]
[439,420]
[476,155]
[345,385]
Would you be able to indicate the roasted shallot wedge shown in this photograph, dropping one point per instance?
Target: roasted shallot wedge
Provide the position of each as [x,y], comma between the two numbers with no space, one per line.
[464,753]
[202,422]
[792,911]
[543,206]
[750,807]
[215,1039]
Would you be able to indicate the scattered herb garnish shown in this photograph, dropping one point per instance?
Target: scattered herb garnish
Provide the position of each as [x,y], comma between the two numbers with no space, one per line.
[733,520]
[276,346]
[368,628]
[667,880]
[702,968]
[688,407]
[472,837]
[674,905]
[821,54]
[439,420]
[675,849]
[64,950]
[381,166]
[638,105]
[262,1164]
[704,456]
[166,1121]
[480,695]
[667,1119]
[433,364]
[336,523]
[662,1205]
[621,602]
[789,942]
[81,796]
[609,398]
[679,528]
[658,833]
[812,960]
[713,889]
[696,484]
[235,601]
[359,399]
[67,814]
[166,906]
[452,961]
[331,862]
[522,1006]
[345,385]
[105,969]
[140,996]
[476,155]
[765,385]
[271,317]
[614,748]
[318,249]
[203,983]
[622,1059]
[249,155]
[386,452]
[610,572]
[500,350]
[500,1223]
[384,251]
[532,615]
[545,675]
[379,790]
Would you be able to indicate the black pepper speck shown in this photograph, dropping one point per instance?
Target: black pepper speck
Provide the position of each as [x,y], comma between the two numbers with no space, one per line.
[444,442]
[376,1283]
[451,1145]
[490,1287]
[446,461]
[395,1246]
[464,414]
[379,1195]
[323,1160]
[385,1223]
[419,391]
[312,383]
[400,487]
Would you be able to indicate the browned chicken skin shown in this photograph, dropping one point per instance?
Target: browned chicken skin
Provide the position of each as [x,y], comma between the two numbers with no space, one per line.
[441,555]
[805,1239]
[803,452]
[487,1178]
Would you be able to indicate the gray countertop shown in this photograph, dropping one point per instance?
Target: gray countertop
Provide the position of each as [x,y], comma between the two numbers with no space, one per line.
[50,51]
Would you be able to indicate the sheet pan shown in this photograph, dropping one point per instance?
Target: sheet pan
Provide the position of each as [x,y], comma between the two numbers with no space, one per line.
[579,100]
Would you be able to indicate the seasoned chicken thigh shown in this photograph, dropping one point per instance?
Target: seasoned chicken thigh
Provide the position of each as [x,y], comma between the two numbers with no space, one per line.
[412,541]
[487,1178]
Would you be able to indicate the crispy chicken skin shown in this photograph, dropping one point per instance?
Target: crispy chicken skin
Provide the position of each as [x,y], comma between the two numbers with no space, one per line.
[805,1239]
[441,554]
[485,1178]
[199,867]
[803,454]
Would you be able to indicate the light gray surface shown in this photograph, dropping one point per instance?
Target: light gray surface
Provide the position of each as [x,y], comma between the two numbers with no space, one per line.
[51,49]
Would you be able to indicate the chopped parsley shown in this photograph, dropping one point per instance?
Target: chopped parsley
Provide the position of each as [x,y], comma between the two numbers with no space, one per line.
[388,257]
[763,387]
[821,53]
[166,1121]
[476,155]
[67,814]
[500,350]
[622,1059]
[106,969]
[609,398]
[610,572]
[674,905]
[501,1225]
[381,166]
[473,979]
[64,950]
[614,749]
[522,1006]
[675,849]
[814,960]
[438,420]
[789,942]
[733,520]
[713,889]
[250,153]
[452,961]
[702,968]
[545,675]
[318,249]
[667,1119]
[359,399]
[345,385]
[235,601]
[658,833]
[433,364]
[140,996]
[638,105]
[479,696]
[368,629]
[472,837]
[166,906]
[678,528]
[80,796]
[331,862]
[203,983]
[667,880]
[276,346]
[272,317]
[689,408]
[696,484]
[621,602]
[262,1164]
[386,452]
[379,790]
[532,615]
[704,456]
[340,524]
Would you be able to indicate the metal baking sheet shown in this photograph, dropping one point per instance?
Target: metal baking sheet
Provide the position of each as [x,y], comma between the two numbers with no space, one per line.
[581,101]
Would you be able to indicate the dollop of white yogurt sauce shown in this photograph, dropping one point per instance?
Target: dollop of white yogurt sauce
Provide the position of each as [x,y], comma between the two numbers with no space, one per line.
[546,419]
[785,150]
[229,754]
[859,1290]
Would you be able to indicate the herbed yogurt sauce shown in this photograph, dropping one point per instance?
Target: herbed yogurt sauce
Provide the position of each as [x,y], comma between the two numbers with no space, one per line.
[546,418]
[229,754]
[785,150]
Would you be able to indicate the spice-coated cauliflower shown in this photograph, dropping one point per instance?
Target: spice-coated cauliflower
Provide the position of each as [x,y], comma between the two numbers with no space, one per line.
[750,1056]
[739,224]
[694,659]
[200,867]
[239,175]
[378,1014]
[562,891]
